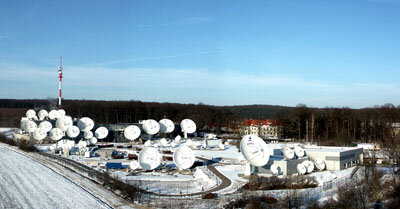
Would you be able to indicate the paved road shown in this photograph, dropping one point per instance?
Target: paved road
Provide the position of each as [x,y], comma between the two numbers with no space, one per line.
[25,183]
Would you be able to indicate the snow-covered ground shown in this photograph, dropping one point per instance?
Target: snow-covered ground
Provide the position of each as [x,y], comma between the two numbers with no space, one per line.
[25,183]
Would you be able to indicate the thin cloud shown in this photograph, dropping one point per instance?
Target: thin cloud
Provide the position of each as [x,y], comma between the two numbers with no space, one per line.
[185,21]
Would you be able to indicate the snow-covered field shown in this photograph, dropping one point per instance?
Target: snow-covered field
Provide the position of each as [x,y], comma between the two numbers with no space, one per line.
[25,183]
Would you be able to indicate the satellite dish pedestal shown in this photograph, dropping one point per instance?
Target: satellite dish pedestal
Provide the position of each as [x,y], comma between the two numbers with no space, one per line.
[247,170]
[185,135]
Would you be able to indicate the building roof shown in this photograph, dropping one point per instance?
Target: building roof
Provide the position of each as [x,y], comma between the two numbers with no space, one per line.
[260,122]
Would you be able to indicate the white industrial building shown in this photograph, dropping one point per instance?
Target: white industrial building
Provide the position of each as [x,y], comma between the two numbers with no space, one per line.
[336,158]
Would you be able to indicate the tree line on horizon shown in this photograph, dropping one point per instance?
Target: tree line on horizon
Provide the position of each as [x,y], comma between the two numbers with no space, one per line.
[322,125]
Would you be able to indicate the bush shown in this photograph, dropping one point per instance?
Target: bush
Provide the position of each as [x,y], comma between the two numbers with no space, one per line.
[210,196]
[275,183]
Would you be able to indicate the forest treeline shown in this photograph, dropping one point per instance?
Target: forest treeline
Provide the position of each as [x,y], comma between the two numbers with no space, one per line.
[323,125]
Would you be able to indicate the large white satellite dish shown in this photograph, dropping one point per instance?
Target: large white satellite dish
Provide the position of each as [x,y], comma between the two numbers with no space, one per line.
[301,169]
[149,158]
[46,126]
[275,169]
[53,114]
[188,126]
[166,126]
[30,126]
[42,114]
[254,150]
[56,134]
[39,134]
[133,165]
[320,164]
[85,124]
[60,113]
[184,157]
[288,153]
[309,165]
[87,135]
[178,139]
[30,114]
[299,151]
[64,122]
[101,132]
[73,131]
[132,132]
[93,140]
[151,126]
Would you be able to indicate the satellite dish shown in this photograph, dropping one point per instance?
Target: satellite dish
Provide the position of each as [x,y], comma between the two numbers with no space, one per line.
[320,164]
[30,114]
[309,166]
[288,153]
[163,142]
[275,169]
[254,150]
[53,147]
[73,131]
[299,151]
[56,134]
[87,135]
[42,114]
[132,132]
[173,144]
[93,140]
[221,146]
[166,126]
[149,158]
[24,122]
[301,169]
[178,139]
[101,132]
[30,126]
[188,126]
[65,144]
[133,165]
[147,143]
[39,134]
[53,114]
[85,124]
[189,142]
[82,144]
[60,113]
[46,126]
[151,126]
[64,122]
[184,157]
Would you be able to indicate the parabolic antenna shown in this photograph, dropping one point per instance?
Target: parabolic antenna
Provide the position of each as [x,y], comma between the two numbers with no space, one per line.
[46,126]
[65,144]
[301,169]
[149,158]
[73,131]
[85,124]
[173,144]
[166,126]
[56,134]
[39,134]
[87,135]
[24,122]
[254,150]
[275,169]
[82,144]
[299,151]
[53,147]
[188,126]
[178,139]
[221,146]
[42,114]
[151,126]
[189,142]
[64,122]
[93,140]
[30,126]
[133,165]
[320,164]
[53,114]
[60,113]
[132,132]
[147,143]
[163,142]
[288,153]
[30,114]
[101,132]
[309,165]
[184,157]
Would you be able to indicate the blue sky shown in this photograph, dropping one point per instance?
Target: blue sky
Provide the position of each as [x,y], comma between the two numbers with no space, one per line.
[283,52]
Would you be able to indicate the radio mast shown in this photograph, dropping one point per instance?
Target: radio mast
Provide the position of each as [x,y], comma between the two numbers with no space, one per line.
[60,69]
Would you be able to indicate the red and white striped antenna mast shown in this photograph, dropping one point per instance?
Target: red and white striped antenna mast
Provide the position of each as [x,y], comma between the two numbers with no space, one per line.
[60,69]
